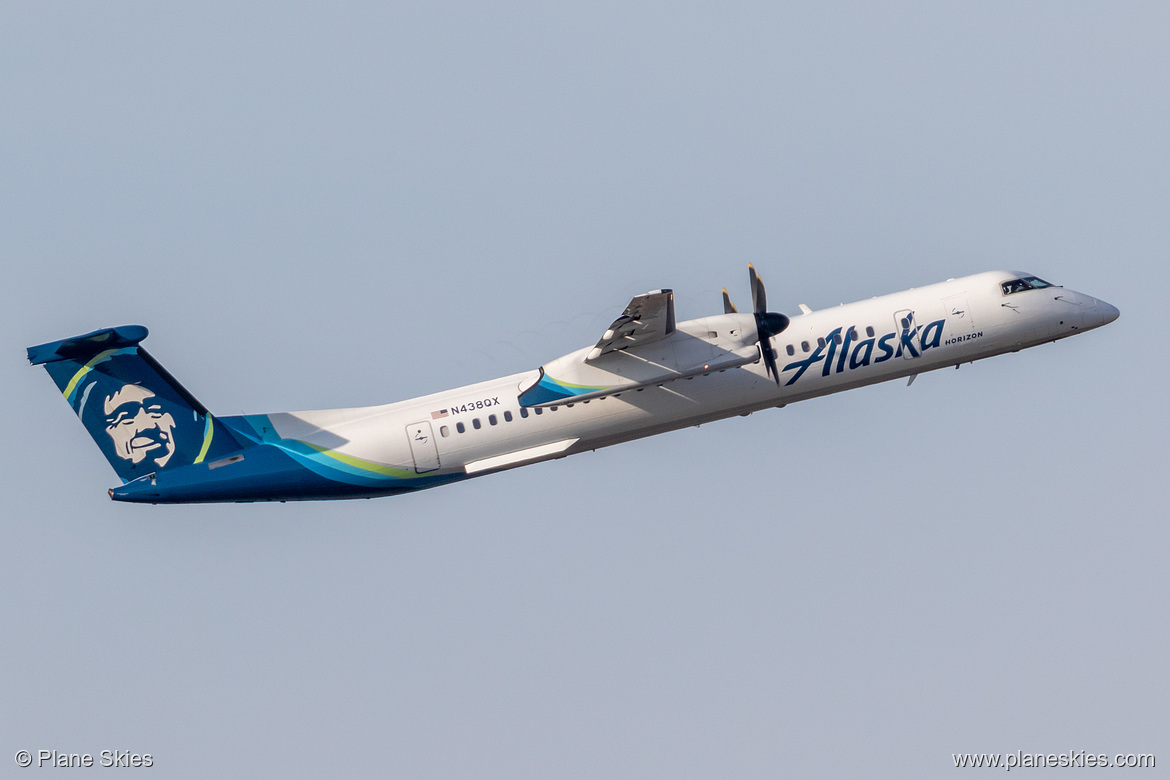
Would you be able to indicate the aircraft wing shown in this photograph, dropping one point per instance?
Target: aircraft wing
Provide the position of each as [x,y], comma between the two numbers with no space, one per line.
[648,318]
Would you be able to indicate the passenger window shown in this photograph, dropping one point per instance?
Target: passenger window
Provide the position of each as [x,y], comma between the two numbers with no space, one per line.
[553,408]
[869,331]
[791,351]
[475,423]
[852,334]
[804,346]
[444,431]
[460,427]
[507,417]
[821,343]
[837,339]
[492,419]
[524,412]
[539,410]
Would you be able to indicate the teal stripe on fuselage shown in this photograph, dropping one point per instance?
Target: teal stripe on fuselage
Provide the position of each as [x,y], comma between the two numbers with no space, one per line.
[333,465]
[549,389]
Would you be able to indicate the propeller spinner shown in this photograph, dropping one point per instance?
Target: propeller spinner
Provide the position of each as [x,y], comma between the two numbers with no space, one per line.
[768,323]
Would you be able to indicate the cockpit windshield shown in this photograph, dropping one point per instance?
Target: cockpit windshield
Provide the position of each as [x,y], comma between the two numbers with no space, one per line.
[1026,283]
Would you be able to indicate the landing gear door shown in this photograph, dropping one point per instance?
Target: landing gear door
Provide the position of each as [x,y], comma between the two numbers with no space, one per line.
[422,446]
[908,331]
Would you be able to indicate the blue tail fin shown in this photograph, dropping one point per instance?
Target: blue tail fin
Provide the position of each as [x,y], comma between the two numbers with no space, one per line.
[141,418]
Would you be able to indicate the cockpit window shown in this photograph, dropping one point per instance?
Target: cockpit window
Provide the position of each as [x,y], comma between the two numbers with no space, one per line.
[1027,283]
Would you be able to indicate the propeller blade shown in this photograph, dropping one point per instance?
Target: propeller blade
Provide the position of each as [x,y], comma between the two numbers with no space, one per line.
[728,306]
[768,323]
[759,300]
[770,360]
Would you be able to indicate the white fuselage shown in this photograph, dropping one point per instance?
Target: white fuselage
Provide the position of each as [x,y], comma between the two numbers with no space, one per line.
[481,428]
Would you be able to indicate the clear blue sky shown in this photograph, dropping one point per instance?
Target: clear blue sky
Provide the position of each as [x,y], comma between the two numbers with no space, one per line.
[318,205]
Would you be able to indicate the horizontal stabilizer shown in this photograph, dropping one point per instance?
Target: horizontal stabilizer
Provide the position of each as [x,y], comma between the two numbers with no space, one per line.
[88,345]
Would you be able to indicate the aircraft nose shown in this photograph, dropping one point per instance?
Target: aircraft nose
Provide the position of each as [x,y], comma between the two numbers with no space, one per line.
[1098,313]
[1094,311]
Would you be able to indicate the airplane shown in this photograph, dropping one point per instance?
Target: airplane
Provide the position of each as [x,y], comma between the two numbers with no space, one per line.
[647,374]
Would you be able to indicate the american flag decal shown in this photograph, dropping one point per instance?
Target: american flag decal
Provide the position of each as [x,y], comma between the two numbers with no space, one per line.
[438,414]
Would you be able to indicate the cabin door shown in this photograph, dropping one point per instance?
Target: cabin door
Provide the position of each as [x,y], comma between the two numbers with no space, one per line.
[422,446]
[960,322]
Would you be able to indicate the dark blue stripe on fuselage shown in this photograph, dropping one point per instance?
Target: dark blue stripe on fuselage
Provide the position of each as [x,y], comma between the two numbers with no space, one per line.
[262,473]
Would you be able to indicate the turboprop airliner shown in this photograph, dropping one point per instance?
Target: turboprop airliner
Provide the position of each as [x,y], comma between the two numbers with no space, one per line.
[647,374]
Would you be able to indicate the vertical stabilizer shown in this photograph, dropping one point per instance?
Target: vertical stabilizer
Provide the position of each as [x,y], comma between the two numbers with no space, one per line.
[141,418]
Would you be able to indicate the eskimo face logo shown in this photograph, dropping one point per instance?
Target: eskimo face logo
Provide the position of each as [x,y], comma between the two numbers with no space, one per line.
[139,426]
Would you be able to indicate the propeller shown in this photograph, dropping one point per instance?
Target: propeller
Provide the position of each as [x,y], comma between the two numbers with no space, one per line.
[768,323]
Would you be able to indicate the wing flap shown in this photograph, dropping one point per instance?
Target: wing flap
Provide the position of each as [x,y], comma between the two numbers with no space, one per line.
[568,381]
